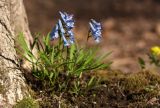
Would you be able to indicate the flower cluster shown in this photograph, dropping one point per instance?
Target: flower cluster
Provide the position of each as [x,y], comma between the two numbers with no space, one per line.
[65,26]
[95,29]
[69,24]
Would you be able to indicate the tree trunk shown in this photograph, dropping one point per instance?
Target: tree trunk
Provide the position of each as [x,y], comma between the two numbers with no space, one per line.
[12,21]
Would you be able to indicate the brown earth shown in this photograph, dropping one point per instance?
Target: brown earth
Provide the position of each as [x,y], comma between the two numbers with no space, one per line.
[115,90]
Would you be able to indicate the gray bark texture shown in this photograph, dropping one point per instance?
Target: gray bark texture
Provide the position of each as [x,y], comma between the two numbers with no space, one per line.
[13,20]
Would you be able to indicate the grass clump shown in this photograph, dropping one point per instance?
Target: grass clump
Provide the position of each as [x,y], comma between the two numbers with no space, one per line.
[61,69]
[27,103]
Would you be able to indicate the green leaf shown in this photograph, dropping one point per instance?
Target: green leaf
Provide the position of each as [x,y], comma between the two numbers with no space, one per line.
[141,63]
[91,81]
[22,42]
[51,75]
[52,55]
[45,58]
[72,51]
[35,40]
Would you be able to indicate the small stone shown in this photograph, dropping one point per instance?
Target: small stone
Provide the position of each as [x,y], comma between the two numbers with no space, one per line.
[152,101]
[94,102]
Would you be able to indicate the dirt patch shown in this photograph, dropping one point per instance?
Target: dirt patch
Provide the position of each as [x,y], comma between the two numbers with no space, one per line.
[116,90]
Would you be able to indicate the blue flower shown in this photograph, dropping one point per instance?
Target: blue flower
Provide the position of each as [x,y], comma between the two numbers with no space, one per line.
[67,19]
[64,27]
[69,24]
[62,31]
[96,24]
[95,29]
[54,33]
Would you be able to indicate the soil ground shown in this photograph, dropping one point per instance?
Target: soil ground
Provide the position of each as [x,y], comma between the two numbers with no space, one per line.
[116,90]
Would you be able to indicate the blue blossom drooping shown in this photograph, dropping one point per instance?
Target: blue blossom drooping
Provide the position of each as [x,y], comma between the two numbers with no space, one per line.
[69,24]
[54,33]
[62,31]
[95,29]
[67,19]
[64,27]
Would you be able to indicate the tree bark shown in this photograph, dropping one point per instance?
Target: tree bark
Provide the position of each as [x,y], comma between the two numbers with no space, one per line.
[13,20]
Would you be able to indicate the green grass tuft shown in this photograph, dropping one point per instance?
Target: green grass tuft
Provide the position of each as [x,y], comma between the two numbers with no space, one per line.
[27,103]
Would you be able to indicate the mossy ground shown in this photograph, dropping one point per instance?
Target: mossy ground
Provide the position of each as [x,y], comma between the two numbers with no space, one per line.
[27,103]
[116,90]
[1,89]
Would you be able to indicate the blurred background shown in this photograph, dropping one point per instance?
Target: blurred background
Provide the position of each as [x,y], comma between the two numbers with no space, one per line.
[130,27]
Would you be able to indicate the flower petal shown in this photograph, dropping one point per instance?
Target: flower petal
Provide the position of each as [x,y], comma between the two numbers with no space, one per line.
[61,26]
[67,19]
[54,33]
[62,33]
